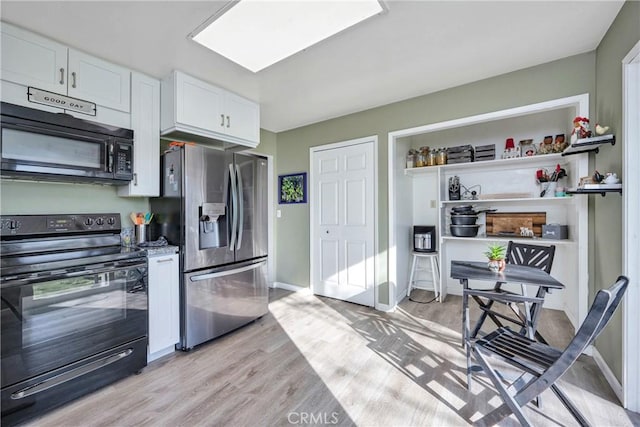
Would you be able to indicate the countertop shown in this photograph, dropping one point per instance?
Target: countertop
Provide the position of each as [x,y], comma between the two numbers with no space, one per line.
[162,250]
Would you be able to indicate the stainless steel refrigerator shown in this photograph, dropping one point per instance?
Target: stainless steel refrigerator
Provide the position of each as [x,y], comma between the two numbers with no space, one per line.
[214,207]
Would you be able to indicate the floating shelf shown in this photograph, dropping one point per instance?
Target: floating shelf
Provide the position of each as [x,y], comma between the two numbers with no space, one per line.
[601,191]
[497,164]
[586,145]
[518,200]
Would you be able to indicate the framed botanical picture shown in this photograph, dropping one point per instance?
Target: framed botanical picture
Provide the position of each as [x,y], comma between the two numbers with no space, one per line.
[292,188]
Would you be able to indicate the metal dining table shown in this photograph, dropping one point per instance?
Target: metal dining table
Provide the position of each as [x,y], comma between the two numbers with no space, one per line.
[470,270]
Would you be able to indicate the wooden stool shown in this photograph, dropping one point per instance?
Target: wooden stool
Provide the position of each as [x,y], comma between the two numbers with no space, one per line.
[435,273]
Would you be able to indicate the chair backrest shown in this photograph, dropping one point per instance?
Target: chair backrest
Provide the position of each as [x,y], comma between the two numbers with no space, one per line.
[531,255]
[603,307]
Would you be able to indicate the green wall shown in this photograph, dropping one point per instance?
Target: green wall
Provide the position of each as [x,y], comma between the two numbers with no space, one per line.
[31,197]
[623,34]
[566,77]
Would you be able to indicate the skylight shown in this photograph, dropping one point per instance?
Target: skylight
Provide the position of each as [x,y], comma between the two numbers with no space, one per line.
[258,33]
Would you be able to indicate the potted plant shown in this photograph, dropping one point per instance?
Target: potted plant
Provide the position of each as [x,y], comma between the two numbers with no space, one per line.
[496,253]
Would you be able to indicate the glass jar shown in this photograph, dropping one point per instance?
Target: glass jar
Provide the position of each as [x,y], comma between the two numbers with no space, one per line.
[411,158]
[441,157]
[431,158]
[420,160]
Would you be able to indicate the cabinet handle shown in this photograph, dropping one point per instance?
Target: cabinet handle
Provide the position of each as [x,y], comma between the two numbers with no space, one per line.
[222,120]
[73,82]
[135,179]
[164,260]
[228,121]
[61,76]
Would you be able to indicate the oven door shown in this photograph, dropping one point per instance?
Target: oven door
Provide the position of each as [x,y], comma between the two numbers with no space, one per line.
[53,319]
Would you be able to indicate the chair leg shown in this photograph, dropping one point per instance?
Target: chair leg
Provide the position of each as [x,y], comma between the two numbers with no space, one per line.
[413,269]
[433,276]
[570,406]
[509,406]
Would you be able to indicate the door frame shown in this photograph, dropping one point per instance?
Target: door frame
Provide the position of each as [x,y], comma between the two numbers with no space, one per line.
[631,229]
[373,139]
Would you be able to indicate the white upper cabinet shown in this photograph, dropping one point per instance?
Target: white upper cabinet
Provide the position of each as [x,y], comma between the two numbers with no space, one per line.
[145,122]
[242,117]
[198,104]
[194,110]
[98,81]
[32,60]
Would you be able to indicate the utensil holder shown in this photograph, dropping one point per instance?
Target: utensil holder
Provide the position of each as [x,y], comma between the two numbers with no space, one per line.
[551,189]
[141,233]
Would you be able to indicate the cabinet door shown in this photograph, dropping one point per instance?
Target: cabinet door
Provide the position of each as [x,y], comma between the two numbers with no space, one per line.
[164,320]
[145,122]
[198,104]
[95,80]
[242,118]
[31,60]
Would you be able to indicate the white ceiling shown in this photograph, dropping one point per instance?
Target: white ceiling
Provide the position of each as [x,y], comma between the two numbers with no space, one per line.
[415,48]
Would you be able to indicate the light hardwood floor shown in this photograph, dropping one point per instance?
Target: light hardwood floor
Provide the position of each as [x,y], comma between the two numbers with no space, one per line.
[315,360]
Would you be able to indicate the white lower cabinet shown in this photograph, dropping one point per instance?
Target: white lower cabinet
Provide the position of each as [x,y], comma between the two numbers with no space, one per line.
[164,305]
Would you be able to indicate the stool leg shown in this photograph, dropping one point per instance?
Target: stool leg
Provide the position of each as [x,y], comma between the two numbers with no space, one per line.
[413,268]
[436,289]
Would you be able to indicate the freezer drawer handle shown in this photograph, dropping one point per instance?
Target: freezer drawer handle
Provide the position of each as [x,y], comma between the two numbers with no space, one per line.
[72,374]
[227,272]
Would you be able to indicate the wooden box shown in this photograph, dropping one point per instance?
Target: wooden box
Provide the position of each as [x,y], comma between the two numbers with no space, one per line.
[509,223]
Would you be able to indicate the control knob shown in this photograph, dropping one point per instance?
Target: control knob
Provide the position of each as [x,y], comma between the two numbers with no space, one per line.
[111,220]
[88,221]
[99,221]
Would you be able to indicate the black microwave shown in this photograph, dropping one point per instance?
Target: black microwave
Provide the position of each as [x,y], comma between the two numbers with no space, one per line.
[46,146]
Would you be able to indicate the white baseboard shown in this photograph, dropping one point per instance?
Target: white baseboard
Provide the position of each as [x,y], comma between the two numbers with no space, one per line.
[387,308]
[293,288]
[608,374]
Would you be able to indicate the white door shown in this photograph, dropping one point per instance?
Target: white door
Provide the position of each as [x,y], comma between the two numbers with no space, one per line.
[343,230]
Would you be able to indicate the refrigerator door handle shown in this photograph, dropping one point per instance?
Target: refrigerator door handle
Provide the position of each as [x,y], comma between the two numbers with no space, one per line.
[240,208]
[234,205]
[227,272]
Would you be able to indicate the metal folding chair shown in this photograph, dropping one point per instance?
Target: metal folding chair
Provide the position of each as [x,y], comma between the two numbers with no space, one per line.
[522,254]
[540,364]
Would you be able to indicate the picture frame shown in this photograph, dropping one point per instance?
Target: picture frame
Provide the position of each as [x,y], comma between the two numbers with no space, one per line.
[292,188]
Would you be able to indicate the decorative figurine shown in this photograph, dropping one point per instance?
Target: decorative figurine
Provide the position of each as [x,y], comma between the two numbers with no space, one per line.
[559,144]
[580,129]
[546,146]
[601,130]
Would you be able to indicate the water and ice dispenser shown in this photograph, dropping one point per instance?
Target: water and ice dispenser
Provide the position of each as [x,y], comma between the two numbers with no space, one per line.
[213,225]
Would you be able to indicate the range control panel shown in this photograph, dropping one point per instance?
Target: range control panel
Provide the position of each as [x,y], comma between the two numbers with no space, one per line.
[26,225]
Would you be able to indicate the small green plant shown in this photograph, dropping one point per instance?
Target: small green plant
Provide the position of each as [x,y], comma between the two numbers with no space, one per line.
[496,251]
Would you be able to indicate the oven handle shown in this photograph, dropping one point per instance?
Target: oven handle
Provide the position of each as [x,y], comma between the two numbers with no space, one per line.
[70,375]
[93,269]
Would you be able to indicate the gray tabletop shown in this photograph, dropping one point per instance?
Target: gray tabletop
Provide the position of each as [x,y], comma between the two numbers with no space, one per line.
[512,273]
